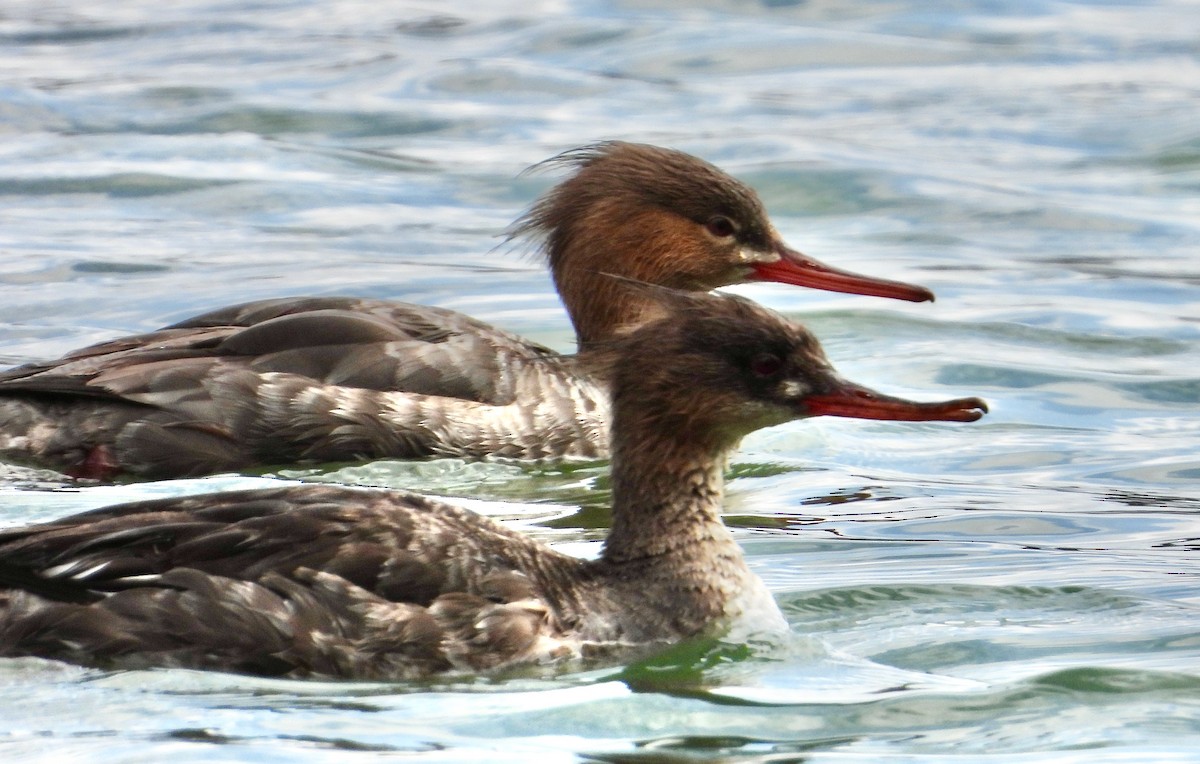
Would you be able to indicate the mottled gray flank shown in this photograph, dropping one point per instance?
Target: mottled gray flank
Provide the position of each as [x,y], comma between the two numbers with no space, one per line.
[191,401]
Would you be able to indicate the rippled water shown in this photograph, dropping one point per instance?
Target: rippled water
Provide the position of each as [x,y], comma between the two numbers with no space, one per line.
[1022,589]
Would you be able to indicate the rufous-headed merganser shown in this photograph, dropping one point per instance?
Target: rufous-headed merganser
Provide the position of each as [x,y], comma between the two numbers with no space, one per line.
[335,581]
[326,379]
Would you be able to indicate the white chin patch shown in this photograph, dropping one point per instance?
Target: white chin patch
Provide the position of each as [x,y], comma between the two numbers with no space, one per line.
[791,388]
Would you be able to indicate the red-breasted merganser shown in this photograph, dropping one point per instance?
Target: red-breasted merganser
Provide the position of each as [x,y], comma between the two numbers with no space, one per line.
[346,582]
[336,379]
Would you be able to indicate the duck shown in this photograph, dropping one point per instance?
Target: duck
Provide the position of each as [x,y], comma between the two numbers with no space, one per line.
[327,379]
[321,580]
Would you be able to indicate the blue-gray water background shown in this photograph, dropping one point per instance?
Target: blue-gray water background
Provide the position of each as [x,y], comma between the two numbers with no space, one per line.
[1021,589]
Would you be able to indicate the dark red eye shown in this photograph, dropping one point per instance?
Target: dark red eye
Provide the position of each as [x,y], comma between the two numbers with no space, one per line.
[766,365]
[721,227]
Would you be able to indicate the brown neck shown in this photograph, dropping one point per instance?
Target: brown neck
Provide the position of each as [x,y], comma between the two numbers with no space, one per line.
[587,252]
[667,494]
[602,308]
[668,551]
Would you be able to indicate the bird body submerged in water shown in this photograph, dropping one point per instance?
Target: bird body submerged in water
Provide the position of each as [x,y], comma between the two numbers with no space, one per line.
[324,379]
[345,582]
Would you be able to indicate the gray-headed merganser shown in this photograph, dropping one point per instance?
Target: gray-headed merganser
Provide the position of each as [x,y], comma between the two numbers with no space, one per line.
[336,379]
[345,582]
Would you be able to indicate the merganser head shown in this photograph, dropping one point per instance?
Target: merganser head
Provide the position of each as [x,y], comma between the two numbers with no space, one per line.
[719,366]
[665,217]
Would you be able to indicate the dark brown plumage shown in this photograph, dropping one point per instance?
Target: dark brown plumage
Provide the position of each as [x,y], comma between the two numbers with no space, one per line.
[330,378]
[344,582]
